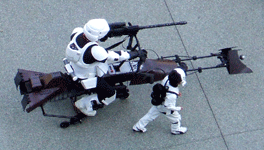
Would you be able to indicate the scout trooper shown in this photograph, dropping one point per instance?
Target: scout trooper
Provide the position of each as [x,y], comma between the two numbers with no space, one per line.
[168,107]
[88,62]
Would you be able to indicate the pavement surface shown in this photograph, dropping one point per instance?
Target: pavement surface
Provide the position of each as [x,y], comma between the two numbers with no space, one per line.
[221,111]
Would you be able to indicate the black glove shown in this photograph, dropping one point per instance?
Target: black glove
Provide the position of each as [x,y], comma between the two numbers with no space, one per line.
[134,54]
[142,54]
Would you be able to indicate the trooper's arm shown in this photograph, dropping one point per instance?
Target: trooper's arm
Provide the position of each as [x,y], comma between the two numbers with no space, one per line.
[115,56]
[125,55]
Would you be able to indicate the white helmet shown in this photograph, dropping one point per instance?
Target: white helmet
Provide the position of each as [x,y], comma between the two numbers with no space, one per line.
[96,29]
[183,75]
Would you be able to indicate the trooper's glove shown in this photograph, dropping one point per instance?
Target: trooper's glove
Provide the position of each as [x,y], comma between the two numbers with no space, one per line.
[134,54]
[142,53]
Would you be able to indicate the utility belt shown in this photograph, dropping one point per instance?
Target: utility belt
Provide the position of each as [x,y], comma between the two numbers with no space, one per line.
[166,113]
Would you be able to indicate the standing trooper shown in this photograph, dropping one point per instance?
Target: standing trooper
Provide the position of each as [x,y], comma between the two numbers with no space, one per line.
[88,62]
[168,107]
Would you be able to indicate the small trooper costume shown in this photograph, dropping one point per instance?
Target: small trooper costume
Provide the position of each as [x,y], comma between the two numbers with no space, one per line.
[88,62]
[168,107]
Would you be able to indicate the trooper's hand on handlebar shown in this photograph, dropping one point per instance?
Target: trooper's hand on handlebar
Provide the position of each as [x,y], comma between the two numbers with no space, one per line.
[142,54]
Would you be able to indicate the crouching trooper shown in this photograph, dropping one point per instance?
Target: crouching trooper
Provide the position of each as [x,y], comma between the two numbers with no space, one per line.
[168,106]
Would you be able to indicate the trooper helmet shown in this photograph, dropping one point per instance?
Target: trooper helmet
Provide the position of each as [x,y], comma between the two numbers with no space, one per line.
[96,29]
[183,75]
[176,77]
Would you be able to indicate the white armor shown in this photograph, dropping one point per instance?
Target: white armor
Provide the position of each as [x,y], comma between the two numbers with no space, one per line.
[97,59]
[168,108]
[83,70]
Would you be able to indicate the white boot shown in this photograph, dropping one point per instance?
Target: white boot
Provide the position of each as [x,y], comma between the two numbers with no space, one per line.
[136,129]
[181,130]
[85,106]
[177,129]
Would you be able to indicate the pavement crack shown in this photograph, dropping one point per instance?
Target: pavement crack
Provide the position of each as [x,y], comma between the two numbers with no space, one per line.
[206,97]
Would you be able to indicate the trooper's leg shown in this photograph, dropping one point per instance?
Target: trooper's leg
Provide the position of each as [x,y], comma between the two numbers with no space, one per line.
[176,127]
[109,100]
[152,114]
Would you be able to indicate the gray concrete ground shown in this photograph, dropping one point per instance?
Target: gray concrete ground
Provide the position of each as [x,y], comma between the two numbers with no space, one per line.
[221,111]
